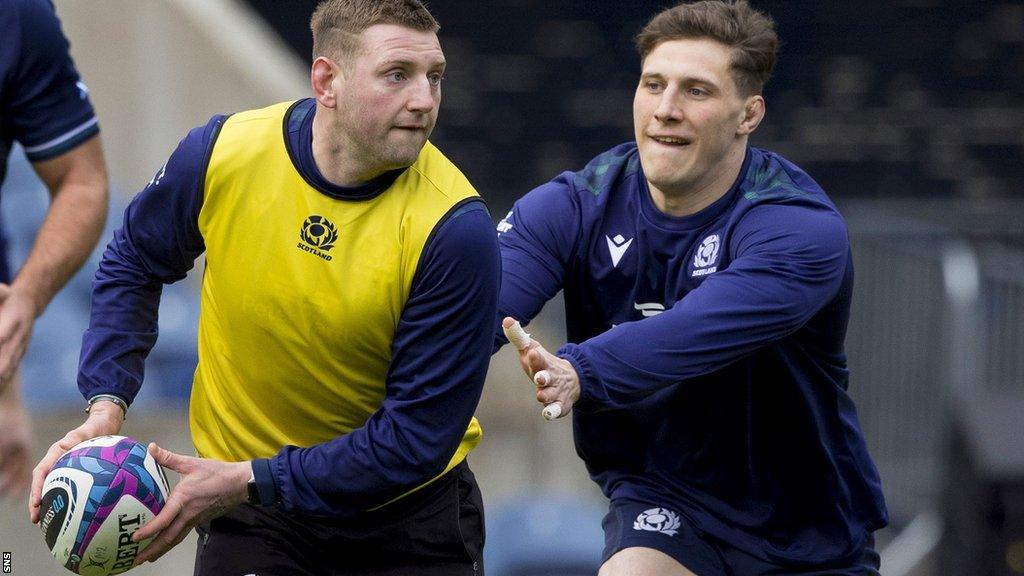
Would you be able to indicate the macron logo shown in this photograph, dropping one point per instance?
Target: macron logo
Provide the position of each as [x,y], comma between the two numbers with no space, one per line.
[617,247]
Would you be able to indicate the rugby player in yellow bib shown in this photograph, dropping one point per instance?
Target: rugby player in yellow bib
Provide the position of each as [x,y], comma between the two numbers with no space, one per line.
[347,305]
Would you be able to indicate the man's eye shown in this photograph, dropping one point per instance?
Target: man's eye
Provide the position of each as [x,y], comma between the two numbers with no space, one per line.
[396,76]
[435,79]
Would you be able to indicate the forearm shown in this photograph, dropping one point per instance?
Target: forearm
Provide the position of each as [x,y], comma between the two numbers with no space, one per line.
[362,470]
[733,314]
[156,244]
[77,181]
[123,322]
[69,232]
[536,240]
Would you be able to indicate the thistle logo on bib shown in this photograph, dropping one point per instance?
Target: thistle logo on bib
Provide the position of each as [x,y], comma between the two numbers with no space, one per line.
[706,257]
[318,233]
[658,520]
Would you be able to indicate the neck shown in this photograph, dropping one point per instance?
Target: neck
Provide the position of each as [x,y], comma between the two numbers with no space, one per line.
[688,199]
[336,160]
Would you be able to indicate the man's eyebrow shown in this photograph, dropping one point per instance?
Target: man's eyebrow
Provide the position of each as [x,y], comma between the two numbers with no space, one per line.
[691,79]
[407,63]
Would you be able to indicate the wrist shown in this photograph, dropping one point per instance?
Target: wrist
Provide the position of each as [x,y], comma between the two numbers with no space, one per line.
[252,493]
[10,391]
[261,489]
[34,299]
[588,386]
[108,406]
[248,492]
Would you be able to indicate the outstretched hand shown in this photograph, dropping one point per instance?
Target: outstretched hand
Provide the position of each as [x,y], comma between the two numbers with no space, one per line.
[206,489]
[558,385]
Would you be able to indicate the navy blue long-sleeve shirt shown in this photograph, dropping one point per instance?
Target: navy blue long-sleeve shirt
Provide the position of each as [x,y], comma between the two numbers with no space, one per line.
[709,349]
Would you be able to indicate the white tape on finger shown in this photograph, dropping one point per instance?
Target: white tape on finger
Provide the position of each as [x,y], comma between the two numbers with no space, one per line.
[517,336]
[552,411]
[541,378]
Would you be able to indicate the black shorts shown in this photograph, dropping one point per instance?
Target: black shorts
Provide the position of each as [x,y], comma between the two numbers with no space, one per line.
[435,531]
[632,523]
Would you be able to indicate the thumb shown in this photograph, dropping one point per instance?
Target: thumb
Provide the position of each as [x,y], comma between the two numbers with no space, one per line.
[166,458]
[515,333]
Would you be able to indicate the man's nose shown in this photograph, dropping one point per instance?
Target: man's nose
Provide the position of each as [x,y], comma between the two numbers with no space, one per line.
[668,108]
[423,97]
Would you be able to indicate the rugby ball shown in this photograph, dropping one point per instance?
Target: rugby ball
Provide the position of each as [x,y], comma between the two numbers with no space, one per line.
[95,497]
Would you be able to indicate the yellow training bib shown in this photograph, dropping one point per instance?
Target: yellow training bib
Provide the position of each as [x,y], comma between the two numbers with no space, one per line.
[302,293]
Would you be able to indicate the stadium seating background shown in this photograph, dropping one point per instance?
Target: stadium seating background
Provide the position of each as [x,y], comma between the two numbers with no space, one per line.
[874,98]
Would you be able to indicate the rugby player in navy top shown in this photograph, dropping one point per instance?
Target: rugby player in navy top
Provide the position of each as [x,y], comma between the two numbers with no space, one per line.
[347,310]
[44,106]
[707,289]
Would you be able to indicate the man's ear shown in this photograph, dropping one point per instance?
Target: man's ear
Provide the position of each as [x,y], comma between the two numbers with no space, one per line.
[753,113]
[321,77]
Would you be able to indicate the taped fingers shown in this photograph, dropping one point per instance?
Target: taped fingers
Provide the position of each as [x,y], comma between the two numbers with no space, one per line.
[552,411]
[515,334]
[542,378]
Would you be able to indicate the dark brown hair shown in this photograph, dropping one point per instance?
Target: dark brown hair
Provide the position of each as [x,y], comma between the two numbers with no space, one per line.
[336,24]
[750,34]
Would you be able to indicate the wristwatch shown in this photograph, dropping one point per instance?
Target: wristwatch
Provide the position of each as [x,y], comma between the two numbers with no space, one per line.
[254,492]
[110,397]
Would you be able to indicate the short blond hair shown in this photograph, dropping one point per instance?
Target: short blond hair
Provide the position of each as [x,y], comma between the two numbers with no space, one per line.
[336,24]
[749,32]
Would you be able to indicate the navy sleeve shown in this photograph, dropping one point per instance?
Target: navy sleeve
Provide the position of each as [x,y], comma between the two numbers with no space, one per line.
[789,262]
[49,109]
[156,244]
[537,239]
[439,361]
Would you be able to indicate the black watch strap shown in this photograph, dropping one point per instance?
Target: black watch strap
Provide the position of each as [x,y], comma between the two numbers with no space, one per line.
[261,488]
[254,492]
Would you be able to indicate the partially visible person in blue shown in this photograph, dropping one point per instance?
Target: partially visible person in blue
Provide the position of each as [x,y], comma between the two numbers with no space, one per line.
[44,105]
[707,290]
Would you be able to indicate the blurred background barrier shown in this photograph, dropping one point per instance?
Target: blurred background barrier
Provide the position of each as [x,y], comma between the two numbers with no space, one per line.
[555,533]
[909,112]
[983,486]
[874,98]
[934,349]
